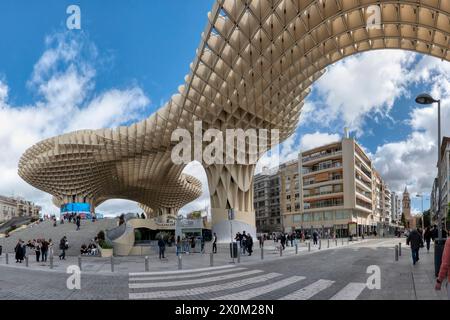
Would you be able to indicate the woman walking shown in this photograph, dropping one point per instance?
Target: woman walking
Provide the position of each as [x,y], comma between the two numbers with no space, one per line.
[444,271]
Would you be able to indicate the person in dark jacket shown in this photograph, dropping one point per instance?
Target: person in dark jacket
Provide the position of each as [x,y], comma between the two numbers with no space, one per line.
[78,222]
[20,251]
[427,237]
[283,240]
[416,242]
[249,244]
[315,237]
[162,248]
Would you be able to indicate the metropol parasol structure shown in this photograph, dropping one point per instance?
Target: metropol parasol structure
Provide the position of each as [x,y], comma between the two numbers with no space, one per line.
[253,69]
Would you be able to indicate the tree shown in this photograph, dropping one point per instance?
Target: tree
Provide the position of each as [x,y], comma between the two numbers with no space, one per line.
[194,215]
[403,220]
[427,218]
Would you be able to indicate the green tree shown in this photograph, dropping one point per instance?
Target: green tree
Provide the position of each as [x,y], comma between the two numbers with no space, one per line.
[195,215]
[403,220]
[427,218]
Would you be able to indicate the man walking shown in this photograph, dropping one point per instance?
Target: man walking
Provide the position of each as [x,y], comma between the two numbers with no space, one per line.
[416,242]
[44,250]
[315,236]
[214,243]
[162,248]
[63,246]
[78,222]
[427,237]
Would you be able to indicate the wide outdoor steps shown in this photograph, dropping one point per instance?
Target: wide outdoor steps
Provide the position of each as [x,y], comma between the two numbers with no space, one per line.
[88,230]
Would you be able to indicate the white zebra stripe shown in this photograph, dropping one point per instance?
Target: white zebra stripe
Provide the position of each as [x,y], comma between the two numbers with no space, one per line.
[308,291]
[202,290]
[350,292]
[249,294]
[192,281]
[161,273]
[192,275]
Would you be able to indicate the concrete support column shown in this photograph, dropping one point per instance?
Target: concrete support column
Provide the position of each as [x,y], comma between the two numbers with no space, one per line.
[231,187]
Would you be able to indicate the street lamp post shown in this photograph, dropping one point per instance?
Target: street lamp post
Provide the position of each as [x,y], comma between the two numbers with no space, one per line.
[425,98]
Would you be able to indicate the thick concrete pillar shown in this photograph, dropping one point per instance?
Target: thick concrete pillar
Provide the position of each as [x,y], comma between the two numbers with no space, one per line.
[231,187]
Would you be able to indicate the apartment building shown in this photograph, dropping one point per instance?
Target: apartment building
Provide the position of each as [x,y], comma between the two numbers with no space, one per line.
[327,189]
[396,209]
[267,201]
[444,164]
[11,207]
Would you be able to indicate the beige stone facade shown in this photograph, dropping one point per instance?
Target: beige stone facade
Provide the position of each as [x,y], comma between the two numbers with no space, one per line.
[11,207]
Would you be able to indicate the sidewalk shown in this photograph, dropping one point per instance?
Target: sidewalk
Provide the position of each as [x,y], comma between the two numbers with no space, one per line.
[125,265]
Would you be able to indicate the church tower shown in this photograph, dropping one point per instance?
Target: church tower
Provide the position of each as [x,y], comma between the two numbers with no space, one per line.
[406,206]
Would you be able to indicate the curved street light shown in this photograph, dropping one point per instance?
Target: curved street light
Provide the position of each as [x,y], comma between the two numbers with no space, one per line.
[425,98]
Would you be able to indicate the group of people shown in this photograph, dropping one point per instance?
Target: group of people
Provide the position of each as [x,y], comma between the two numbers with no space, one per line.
[91,249]
[41,247]
[186,244]
[245,241]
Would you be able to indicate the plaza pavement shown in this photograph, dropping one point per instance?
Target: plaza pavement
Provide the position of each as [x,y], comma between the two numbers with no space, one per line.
[334,273]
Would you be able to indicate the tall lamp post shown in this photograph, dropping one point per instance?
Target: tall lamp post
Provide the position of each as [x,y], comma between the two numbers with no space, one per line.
[425,98]
[419,195]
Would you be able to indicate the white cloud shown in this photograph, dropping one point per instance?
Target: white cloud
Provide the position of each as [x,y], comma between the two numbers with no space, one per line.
[317,139]
[358,86]
[63,79]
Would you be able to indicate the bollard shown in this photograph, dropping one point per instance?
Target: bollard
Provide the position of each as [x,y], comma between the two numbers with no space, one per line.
[320,244]
[296,248]
[7,258]
[262,253]
[211,259]
[396,253]
[112,264]
[335,242]
[328,243]
[309,246]
[180,265]
[79,262]
[51,261]
[342,240]
[146,264]
[400,249]
[281,251]
[239,255]
[26,261]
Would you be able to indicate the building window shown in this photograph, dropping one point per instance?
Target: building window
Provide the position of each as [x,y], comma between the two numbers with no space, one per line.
[297,218]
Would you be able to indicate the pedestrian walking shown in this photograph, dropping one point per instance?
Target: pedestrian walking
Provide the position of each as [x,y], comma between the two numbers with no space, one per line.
[249,244]
[315,237]
[178,245]
[214,248]
[427,237]
[78,222]
[63,246]
[37,249]
[444,271]
[162,248]
[44,250]
[416,242]
[19,249]
[283,241]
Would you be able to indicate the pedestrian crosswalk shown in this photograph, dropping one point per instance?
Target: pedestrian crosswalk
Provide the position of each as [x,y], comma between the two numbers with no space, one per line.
[237,283]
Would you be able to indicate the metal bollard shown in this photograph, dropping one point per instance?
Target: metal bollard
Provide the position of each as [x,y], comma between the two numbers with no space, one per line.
[262,253]
[239,255]
[309,246]
[7,258]
[180,264]
[328,243]
[320,244]
[296,248]
[335,242]
[146,264]
[281,251]
[211,259]
[396,253]
[26,261]
[400,249]
[51,261]
[112,264]
[79,262]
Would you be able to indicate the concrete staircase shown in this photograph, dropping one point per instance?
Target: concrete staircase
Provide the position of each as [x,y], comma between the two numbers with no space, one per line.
[88,230]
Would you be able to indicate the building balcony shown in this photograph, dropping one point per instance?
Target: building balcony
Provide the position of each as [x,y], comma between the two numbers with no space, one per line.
[322,156]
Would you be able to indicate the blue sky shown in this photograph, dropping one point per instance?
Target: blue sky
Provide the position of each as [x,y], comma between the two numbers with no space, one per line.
[128,60]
